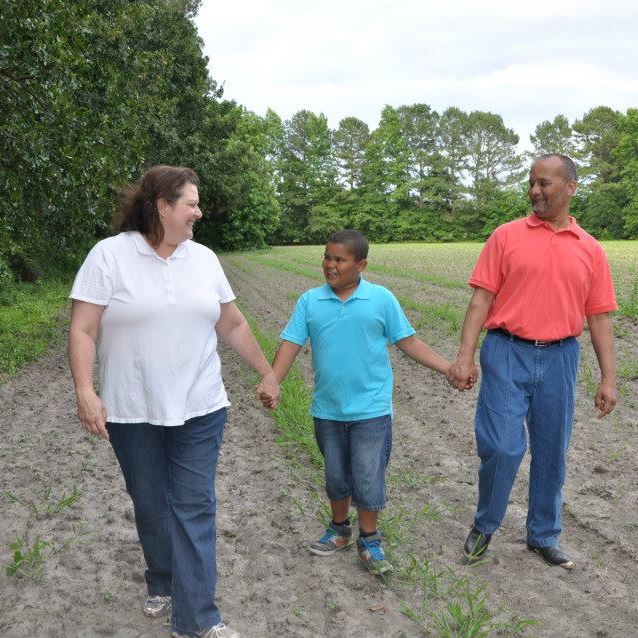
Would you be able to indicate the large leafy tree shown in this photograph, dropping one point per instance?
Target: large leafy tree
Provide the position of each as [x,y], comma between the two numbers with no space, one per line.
[350,141]
[554,136]
[491,150]
[307,172]
[94,93]
[597,134]
[419,129]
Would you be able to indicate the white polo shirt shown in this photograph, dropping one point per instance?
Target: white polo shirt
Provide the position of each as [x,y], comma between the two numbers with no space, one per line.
[157,348]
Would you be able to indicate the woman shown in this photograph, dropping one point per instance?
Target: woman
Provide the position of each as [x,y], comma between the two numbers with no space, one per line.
[157,300]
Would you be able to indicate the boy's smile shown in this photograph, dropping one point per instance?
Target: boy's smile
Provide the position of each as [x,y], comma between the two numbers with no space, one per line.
[341,269]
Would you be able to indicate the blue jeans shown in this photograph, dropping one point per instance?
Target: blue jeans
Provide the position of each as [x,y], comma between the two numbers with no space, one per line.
[536,384]
[356,455]
[170,476]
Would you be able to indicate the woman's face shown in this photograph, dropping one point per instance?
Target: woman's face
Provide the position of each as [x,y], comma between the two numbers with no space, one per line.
[178,218]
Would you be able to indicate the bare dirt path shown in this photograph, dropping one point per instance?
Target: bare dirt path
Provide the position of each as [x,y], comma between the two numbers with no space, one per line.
[269,509]
[268,585]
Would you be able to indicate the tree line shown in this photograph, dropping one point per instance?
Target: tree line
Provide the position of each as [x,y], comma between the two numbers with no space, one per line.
[423,175]
[96,91]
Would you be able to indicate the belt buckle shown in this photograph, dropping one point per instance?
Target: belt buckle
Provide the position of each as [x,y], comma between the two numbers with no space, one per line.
[539,344]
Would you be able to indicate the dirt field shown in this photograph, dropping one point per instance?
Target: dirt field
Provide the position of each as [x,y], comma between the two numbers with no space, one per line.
[269,509]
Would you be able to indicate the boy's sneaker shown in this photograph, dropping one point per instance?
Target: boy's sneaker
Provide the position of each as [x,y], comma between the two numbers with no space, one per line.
[218,631]
[371,554]
[336,537]
[156,606]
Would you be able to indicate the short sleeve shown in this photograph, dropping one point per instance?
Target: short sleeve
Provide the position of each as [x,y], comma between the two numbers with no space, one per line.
[601,297]
[397,326]
[95,281]
[296,329]
[225,292]
[487,271]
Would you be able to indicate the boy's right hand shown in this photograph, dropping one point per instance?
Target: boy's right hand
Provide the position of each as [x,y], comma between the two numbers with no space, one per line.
[267,401]
[268,391]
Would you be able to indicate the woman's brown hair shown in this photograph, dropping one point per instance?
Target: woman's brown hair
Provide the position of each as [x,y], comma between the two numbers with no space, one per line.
[137,209]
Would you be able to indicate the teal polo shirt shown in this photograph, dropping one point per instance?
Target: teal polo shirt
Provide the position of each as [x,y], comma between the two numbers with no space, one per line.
[349,339]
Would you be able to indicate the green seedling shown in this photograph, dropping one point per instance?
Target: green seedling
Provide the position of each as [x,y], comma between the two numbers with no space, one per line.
[27,560]
[48,505]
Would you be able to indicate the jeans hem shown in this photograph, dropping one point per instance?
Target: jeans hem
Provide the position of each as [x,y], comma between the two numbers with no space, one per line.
[194,632]
[546,542]
[369,508]
[482,531]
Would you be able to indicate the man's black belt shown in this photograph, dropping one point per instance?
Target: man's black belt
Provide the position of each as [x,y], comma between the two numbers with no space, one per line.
[535,342]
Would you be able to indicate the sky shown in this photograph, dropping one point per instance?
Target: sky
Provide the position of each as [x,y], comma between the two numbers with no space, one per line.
[527,61]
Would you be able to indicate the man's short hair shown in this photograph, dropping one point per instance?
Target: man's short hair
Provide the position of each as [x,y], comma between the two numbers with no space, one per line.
[569,168]
[357,242]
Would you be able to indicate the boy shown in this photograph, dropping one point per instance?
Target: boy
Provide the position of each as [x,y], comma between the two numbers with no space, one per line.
[349,322]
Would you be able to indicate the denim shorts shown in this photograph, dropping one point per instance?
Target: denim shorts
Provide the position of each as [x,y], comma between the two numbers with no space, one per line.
[356,455]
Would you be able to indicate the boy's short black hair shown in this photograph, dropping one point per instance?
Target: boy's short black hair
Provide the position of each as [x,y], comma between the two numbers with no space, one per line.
[354,240]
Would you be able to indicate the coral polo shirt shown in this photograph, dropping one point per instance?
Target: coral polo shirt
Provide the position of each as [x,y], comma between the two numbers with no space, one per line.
[545,281]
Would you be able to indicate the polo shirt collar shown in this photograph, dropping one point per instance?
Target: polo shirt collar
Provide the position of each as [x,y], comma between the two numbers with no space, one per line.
[144,248]
[534,221]
[362,291]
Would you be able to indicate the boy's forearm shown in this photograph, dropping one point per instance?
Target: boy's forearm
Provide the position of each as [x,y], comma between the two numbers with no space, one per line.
[284,358]
[423,354]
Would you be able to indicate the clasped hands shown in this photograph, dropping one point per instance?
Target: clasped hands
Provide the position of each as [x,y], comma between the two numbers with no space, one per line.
[462,374]
[268,391]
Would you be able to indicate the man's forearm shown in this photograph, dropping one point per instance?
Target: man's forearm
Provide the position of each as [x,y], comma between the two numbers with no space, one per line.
[601,333]
[475,317]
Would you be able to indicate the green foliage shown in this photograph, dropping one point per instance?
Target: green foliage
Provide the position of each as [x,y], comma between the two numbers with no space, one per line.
[27,558]
[96,92]
[31,323]
[554,137]
[49,504]
[296,431]
[629,305]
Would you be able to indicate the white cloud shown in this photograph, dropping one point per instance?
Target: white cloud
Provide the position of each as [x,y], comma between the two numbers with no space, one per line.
[526,61]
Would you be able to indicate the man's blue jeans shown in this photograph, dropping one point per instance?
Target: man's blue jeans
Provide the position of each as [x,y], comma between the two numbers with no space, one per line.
[170,476]
[521,383]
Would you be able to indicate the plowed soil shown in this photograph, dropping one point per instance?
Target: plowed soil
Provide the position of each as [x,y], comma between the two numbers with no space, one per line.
[270,507]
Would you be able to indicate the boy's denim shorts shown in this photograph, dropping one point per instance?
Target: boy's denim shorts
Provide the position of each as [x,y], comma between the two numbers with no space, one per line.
[356,455]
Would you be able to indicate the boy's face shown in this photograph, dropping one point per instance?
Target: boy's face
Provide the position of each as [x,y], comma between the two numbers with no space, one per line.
[340,267]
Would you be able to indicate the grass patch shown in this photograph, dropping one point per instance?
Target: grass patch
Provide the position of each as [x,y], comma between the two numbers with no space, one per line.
[31,324]
[628,306]
[629,371]
[292,416]
[435,314]
[435,280]
[311,273]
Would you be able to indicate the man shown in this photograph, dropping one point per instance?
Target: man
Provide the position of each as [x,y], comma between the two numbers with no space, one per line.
[535,281]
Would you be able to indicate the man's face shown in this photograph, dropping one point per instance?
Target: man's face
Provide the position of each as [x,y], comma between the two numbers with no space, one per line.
[549,188]
[340,267]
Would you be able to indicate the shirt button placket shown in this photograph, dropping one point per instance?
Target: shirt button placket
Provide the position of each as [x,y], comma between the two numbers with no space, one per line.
[170,289]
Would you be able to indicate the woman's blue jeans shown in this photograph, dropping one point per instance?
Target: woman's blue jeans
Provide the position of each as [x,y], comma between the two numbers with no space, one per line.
[521,383]
[170,476]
